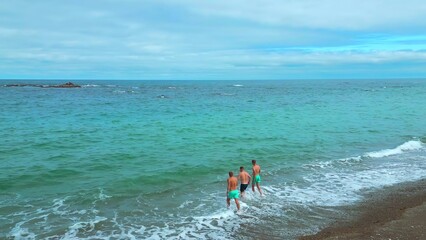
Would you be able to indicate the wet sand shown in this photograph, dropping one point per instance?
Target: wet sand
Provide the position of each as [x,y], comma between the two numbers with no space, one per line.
[396,212]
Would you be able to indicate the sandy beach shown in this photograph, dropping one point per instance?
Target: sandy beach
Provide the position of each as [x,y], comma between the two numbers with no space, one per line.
[396,212]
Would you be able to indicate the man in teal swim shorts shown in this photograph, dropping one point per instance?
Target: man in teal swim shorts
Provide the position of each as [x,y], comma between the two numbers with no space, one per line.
[256,177]
[232,191]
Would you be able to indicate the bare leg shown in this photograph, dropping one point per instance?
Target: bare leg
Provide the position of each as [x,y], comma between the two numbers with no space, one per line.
[228,202]
[258,188]
[238,203]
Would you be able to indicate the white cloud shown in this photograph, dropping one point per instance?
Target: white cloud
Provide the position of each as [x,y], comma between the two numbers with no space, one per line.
[209,37]
[326,14]
[274,60]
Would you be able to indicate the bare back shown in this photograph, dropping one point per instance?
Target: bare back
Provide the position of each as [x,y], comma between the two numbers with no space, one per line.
[232,183]
[244,177]
[256,170]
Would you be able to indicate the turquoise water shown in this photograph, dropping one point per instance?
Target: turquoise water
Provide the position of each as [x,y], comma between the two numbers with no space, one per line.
[149,159]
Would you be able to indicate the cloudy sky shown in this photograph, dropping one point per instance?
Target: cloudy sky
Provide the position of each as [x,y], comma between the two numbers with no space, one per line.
[212,39]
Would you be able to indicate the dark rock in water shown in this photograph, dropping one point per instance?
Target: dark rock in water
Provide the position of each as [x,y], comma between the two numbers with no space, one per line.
[23,85]
[65,85]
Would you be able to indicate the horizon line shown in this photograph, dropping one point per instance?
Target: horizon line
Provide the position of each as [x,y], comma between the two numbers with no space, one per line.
[288,79]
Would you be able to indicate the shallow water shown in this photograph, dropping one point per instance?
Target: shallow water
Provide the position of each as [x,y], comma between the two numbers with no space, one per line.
[149,159]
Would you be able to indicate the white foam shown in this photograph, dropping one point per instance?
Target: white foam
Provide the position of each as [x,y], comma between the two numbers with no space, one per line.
[201,206]
[57,204]
[351,159]
[185,204]
[85,226]
[337,189]
[340,182]
[217,225]
[333,183]
[248,196]
[407,146]
[238,85]
[102,196]
[19,232]
[269,189]
[243,205]
[403,148]
[332,163]
[218,215]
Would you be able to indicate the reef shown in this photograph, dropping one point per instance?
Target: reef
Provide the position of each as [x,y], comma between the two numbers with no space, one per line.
[65,85]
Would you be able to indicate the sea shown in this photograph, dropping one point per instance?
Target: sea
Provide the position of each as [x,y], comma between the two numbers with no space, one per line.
[150,159]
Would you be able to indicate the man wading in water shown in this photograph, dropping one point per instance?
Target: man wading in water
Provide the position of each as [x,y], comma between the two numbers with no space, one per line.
[244,178]
[232,191]
[256,176]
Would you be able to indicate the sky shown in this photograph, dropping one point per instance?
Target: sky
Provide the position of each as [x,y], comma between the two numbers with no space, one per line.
[212,39]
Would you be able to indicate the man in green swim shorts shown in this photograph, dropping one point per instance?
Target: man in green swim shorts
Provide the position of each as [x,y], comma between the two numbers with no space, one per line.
[256,177]
[232,191]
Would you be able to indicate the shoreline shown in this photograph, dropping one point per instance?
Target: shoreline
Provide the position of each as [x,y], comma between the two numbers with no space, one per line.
[394,212]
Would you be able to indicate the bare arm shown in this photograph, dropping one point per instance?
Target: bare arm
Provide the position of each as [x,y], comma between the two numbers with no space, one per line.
[228,187]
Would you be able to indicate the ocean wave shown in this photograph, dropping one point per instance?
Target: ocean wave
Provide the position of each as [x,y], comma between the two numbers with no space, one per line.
[123,91]
[337,187]
[335,183]
[83,226]
[89,85]
[19,232]
[329,185]
[208,218]
[102,196]
[407,146]
[217,225]
[412,145]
